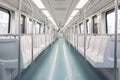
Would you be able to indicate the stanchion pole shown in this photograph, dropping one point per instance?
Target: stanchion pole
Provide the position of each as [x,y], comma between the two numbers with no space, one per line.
[19,47]
[85,32]
[32,29]
[115,46]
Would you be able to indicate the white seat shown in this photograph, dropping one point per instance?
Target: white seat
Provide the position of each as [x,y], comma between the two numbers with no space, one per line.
[6,37]
[39,45]
[81,44]
[103,52]
[91,46]
[2,72]
[36,41]
[9,52]
[88,41]
[110,52]
[111,48]
[72,39]
[26,51]
[75,40]
[93,55]
[97,43]
[37,51]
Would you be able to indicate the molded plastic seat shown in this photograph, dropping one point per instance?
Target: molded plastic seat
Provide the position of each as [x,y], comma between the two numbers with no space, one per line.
[26,51]
[91,46]
[2,72]
[9,52]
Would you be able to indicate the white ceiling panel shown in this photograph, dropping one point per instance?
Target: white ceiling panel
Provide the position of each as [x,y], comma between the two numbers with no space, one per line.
[60,10]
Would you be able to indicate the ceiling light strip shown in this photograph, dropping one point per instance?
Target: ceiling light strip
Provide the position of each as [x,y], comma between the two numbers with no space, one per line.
[39,4]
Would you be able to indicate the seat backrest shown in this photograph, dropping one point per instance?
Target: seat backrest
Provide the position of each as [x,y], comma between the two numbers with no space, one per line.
[42,38]
[97,43]
[87,41]
[111,47]
[103,45]
[8,49]
[26,50]
[37,41]
[2,72]
[6,37]
[92,40]
[81,41]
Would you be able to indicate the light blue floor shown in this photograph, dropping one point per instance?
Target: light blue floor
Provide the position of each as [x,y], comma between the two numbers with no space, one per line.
[61,62]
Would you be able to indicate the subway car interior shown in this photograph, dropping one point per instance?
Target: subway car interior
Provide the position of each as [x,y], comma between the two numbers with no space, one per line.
[59,39]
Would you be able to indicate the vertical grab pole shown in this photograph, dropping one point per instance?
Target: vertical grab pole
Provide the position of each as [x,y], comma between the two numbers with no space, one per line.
[32,38]
[74,35]
[32,29]
[74,32]
[115,46]
[49,35]
[19,47]
[85,33]
[45,31]
[77,36]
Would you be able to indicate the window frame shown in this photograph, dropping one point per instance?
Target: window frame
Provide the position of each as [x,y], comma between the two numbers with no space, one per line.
[108,12]
[30,25]
[93,27]
[80,27]
[40,25]
[9,20]
[44,28]
[76,28]
[24,27]
[87,29]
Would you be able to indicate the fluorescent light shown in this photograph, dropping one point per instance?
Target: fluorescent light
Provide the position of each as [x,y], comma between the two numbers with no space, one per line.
[71,16]
[39,4]
[69,19]
[51,19]
[46,13]
[74,13]
[81,3]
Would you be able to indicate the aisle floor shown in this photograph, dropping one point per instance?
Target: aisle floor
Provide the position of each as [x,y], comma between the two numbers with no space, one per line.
[61,62]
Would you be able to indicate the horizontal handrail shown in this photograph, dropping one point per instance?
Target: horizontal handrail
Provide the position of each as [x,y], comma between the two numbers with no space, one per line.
[9,35]
[21,34]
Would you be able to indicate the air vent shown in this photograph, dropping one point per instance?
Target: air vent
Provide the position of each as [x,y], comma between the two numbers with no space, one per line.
[60,0]
[60,9]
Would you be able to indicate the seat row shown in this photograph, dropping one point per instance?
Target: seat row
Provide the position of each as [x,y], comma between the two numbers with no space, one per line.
[99,50]
[9,48]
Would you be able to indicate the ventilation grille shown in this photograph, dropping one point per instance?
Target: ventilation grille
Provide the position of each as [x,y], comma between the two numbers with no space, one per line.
[60,0]
[60,9]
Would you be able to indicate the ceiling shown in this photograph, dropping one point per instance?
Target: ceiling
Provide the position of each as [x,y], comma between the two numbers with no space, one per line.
[60,10]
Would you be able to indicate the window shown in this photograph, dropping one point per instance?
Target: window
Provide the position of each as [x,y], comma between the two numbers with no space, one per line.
[110,17]
[4,21]
[88,26]
[38,28]
[95,25]
[81,28]
[76,30]
[29,29]
[72,30]
[44,29]
[22,24]
[48,29]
